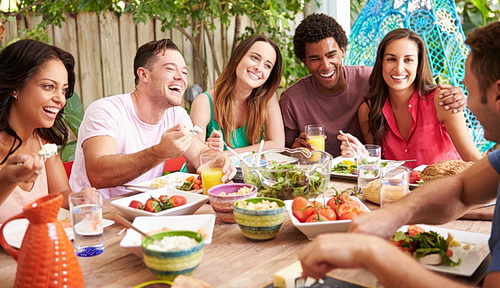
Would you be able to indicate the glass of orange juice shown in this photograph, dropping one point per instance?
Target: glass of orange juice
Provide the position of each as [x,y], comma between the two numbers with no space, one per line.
[211,169]
[316,138]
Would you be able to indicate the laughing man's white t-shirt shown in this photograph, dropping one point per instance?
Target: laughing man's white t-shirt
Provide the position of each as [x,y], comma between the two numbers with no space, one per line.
[115,116]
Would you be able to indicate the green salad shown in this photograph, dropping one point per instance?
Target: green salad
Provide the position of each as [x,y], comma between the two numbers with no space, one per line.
[288,181]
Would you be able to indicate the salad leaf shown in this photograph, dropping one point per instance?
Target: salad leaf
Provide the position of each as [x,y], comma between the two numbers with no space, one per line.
[289,181]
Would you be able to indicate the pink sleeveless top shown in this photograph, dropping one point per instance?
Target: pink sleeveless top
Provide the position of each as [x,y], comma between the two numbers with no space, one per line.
[13,205]
[427,142]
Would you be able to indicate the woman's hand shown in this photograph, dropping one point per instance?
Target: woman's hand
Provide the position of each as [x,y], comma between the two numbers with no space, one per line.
[452,98]
[301,141]
[215,142]
[345,149]
[23,168]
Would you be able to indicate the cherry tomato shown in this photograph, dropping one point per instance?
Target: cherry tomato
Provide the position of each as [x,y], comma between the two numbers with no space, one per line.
[333,203]
[449,252]
[177,200]
[328,213]
[346,208]
[316,218]
[302,208]
[348,216]
[136,204]
[415,176]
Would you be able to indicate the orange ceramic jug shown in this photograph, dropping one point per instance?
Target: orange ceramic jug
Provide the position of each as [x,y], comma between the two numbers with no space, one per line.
[46,257]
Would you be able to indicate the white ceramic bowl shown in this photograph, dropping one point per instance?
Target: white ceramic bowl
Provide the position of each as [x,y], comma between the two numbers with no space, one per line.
[132,240]
[193,202]
[312,229]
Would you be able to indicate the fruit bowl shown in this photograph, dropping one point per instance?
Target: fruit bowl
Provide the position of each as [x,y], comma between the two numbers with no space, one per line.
[307,177]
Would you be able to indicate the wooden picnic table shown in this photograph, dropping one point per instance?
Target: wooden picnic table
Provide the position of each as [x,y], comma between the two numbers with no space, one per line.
[230,260]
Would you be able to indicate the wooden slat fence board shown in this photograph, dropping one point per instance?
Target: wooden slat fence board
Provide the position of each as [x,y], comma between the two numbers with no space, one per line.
[90,57]
[110,53]
[66,38]
[145,33]
[188,57]
[128,45]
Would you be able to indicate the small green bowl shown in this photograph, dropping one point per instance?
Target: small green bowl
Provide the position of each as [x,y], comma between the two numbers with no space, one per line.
[167,265]
[260,225]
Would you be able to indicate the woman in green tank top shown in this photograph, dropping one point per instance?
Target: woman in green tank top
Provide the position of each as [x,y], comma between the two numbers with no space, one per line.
[242,108]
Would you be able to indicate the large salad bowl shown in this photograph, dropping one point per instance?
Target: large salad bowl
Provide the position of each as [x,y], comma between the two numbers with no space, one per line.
[308,176]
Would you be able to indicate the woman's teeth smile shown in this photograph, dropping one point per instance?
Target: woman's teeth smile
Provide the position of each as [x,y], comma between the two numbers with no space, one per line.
[253,76]
[399,77]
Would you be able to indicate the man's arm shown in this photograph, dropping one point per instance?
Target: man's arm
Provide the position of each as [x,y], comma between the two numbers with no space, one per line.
[434,203]
[105,168]
[391,266]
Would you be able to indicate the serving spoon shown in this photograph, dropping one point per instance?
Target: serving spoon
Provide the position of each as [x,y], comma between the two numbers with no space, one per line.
[127,224]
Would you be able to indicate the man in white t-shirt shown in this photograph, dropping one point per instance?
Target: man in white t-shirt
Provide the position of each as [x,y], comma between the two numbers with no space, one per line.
[127,138]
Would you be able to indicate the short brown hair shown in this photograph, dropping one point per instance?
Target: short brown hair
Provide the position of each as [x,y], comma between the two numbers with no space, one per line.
[146,54]
[484,46]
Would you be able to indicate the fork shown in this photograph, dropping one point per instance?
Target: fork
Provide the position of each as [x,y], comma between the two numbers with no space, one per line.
[301,283]
[349,144]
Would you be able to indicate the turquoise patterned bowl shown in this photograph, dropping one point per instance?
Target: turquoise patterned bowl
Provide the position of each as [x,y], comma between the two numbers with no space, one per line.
[167,265]
[260,225]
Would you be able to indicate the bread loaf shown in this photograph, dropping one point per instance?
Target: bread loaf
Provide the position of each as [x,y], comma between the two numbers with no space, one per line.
[443,169]
[372,191]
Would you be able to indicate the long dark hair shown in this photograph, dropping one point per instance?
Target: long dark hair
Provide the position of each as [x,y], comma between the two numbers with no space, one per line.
[18,63]
[379,91]
[256,103]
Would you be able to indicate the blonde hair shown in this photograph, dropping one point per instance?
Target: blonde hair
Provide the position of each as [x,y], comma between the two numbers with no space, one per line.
[257,101]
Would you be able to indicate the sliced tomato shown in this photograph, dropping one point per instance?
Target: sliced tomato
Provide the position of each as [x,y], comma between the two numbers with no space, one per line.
[414,230]
[449,252]
[177,200]
[302,208]
[162,197]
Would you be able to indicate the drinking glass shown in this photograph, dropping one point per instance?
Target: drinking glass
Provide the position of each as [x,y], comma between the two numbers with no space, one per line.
[317,139]
[211,169]
[368,162]
[86,216]
[394,184]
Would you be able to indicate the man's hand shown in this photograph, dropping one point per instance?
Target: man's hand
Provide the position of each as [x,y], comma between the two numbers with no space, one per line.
[215,142]
[451,98]
[345,149]
[336,250]
[382,223]
[174,142]
[23,168]
[301,141]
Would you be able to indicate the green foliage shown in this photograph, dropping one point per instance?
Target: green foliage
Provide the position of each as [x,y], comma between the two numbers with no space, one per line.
[73,116]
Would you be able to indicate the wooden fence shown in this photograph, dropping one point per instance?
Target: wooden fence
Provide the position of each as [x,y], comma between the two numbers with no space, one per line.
[104,46]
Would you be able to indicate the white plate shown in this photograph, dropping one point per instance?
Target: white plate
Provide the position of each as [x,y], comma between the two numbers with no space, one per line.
[312,229]
[193,202]
[390,163]
[471,259]
[132,240]
[15,230]
[171,180]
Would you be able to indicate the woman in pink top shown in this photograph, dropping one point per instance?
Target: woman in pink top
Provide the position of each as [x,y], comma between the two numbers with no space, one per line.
[35,81]
[401,109]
